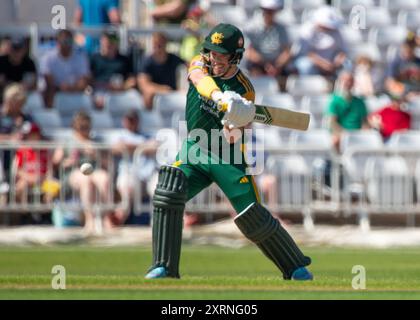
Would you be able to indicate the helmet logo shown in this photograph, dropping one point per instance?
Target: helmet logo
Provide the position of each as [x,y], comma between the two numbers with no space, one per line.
[217,38]
[241,42]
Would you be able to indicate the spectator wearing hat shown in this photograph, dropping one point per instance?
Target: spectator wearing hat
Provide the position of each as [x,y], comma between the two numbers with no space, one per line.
[322,50]
[111,71]
[17,66]
[133,171]
[403,73]
[158,73]
[96,13]
[269,50]
[64,68]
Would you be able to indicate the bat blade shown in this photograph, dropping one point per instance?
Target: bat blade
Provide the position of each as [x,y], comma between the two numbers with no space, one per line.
[281,117]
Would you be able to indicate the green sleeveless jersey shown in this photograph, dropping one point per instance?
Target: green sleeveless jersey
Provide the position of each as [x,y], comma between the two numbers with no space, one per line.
[202,113]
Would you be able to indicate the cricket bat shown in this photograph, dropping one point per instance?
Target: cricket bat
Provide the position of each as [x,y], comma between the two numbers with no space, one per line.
[282,117]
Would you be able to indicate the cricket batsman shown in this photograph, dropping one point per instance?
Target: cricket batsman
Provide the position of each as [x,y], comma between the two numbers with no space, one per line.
[220,98]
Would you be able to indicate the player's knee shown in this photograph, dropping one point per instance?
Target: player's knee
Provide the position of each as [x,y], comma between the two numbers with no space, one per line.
[171,190]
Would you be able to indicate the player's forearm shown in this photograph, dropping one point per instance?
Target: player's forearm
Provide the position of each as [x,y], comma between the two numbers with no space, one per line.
[205,85]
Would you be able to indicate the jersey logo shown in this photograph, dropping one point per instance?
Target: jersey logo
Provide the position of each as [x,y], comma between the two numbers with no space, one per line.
[217,38]
[177,163]
[244,180]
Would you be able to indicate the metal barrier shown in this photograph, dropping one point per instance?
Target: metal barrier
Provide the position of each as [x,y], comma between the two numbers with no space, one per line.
[295,180]
[43,176]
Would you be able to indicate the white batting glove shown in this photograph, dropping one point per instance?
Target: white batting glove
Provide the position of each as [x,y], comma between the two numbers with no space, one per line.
[239,112]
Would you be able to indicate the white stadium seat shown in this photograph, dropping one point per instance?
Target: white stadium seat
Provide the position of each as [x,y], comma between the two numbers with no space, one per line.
[300,5]
[346,6]
[317,106]
[360,139]
[405,140]
[368,49]
[47,119]
[264,85]
[119,103]
[307,85]
[282,100]
[409,19]
[397,5]
[319,139]
[101,120]
[34,101]
[67,104]
[351,35]
[230,14]
[169,103]
[388,35]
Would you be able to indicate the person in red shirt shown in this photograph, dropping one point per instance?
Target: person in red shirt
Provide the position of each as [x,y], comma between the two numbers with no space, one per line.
[390,119]
[31,163]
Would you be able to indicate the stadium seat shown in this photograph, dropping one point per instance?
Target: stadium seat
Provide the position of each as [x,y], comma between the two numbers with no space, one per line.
[294,32]
[379,17]
[317,106]
[64,135]
[387,36]
[108,136]
[375,103]
[151,121]
[119,103]
[397,5]
[167,104]
[351,35]
[282,100]
[47,119]
[318,139]
[230,14]
[389,184]
[414,109]
[67,104]
[269,135]
[360,139]
[300,5]
[264,85]
[101,120]
[405,140]
[307,85]
[409,19]
[345,6]
[368,49]
[34,101]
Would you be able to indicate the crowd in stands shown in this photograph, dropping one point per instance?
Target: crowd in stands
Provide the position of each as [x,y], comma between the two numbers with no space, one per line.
[93,66]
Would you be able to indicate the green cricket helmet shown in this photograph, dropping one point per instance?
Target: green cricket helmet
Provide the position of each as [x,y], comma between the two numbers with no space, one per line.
[225,38]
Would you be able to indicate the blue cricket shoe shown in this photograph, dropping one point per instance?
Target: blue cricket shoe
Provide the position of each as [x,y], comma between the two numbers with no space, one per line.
[302,274]
[156,273]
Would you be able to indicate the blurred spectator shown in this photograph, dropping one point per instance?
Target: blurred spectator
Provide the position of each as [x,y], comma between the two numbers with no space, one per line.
[17,66]
[5,45]
[91,188]
[31,163]
[170,11]
[390,119]
[322,50]
[197,19]
[403,73]
[367,78]
[110,69]
[64,68]
[269,49]
[12,119]
[95,13]
[346,112]
[133,172]
[158,73]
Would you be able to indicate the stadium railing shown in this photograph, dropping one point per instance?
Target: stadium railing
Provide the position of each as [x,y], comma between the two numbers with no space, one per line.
[48,185]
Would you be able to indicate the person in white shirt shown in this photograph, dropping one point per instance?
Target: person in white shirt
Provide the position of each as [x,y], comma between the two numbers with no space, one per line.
[322,50]
[132,170]
[64,68]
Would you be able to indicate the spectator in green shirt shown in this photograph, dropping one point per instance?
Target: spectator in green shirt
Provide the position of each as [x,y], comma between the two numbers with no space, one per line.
[345,111]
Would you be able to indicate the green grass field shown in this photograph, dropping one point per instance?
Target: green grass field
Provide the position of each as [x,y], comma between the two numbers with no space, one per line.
[207,273]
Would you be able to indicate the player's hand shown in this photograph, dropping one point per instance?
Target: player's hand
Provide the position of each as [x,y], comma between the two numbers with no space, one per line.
[239,112]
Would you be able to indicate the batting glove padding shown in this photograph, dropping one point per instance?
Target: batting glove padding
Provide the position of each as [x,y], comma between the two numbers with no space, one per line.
[238,111]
